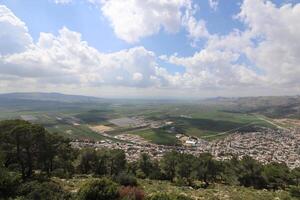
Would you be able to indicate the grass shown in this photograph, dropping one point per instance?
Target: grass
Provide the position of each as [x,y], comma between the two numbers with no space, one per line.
[214,192]
[206,122]
[81,131]
[157,136]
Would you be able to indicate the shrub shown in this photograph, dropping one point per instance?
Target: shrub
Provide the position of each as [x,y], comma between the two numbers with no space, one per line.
[8,183]
[160,196]
[98,189]
[126,179]
[140,174]
[131,193]
[182,197]
[295,191]
[181,182]
[61,173]
[164,196]
[42,191]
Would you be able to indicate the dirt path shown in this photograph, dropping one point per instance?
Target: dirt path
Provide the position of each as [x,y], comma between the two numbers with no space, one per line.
[270,122]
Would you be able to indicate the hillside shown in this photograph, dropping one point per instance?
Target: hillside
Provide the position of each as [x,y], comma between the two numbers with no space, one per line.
[40,96]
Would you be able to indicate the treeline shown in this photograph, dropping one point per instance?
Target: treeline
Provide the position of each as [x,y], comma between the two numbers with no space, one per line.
[30,156]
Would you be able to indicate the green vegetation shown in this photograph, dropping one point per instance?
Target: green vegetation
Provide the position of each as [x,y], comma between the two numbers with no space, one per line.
[157,136]
[211,119]
[75,132]
[36,164]
[100,189]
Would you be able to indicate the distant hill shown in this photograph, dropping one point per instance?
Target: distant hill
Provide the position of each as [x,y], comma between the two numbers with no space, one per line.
[272,106]
[40,96]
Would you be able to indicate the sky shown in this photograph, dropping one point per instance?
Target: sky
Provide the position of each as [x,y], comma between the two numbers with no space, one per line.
[151,48]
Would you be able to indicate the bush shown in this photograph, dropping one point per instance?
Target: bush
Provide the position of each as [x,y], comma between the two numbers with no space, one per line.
[8,183]
[181,182]
[61,173]
[295,191]
[160,196]
[99,189]
[42,191]
[182,197]
[126,180]
[164,196]
[140,174]
[131,193]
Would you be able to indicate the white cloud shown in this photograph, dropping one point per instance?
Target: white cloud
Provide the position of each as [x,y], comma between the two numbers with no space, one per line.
[213,69]
[137,77]
[213,4]
[270,42]
[276,38]
[135,19]
[196,29]
[14,36]
[62,1]
[67,59]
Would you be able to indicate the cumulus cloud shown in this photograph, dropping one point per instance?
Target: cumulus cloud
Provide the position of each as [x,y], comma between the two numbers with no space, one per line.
[196,29]
[270,44]
[67,59]
[134,19]
[213,4]
[276,35]
[62,1]
[14,36]
[213,69]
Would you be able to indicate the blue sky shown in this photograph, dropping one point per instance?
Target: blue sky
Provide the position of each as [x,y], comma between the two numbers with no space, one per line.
[83,17]
[200,47]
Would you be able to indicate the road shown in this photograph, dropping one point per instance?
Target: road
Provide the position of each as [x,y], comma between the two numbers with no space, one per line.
[270,122]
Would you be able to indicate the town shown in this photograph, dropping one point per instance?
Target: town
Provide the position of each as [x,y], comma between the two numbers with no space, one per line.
[265,146]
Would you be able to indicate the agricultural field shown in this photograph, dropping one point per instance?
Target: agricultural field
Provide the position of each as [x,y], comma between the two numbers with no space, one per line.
[157,136]
[89,119]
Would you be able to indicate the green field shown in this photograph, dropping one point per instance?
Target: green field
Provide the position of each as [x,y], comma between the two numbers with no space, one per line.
[157,136]
[204,121]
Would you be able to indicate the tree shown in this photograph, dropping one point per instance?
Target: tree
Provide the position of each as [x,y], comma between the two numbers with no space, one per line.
[28,147]
[250,173]
[145,164]
[98,189]
[230,172]
[184,166]
[295,175]
[276,175]
[87,161]
[9,181]
[169,163]
[116,161]
[206,169]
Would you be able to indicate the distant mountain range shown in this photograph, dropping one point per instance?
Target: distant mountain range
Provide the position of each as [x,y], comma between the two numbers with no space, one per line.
[41,96]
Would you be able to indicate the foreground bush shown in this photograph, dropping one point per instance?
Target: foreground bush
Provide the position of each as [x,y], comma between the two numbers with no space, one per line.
[42,191]
[8,183]
[98,189]
[160,196]
[295,191]
[164,196]
[126,179]
[131,193]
